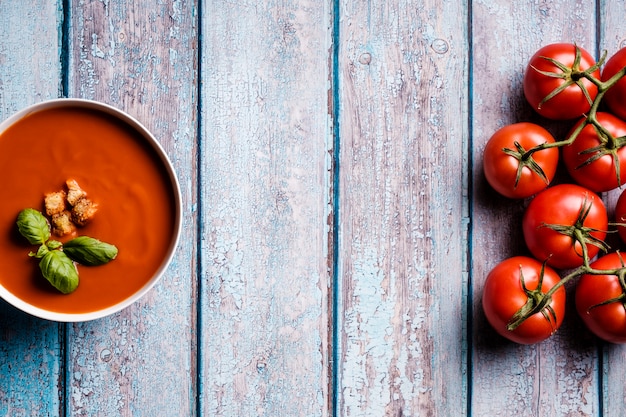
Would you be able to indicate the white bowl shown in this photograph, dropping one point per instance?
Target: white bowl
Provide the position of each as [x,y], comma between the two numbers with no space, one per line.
[162,162]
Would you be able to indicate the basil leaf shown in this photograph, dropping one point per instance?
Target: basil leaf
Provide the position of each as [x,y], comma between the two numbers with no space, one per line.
[33,226]
[89,251]
[60,271]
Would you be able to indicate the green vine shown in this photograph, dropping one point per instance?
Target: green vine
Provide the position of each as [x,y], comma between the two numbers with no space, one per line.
[538,301]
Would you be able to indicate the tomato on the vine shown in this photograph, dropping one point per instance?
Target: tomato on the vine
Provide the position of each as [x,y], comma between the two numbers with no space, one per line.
[554,84]
[600,300]
[615,97]
[558,218]
[506,291]
[594,159]
[510,170]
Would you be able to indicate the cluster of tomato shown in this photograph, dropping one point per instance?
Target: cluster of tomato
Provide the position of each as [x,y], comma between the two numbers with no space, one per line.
[564,225]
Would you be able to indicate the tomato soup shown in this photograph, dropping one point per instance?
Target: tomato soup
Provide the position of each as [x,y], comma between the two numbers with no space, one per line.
[119,169]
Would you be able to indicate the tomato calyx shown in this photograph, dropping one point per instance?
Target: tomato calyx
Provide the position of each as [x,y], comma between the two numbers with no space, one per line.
[620,273]
[525,160]
[609,146]
[621,276]
[571,75]
[581,233]
[537,302]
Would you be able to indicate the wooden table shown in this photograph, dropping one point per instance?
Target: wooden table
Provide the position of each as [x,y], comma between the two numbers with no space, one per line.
[337,225]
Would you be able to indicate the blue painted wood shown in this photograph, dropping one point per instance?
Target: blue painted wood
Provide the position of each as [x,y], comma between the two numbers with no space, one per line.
[265,199]
[31,360]
[31,350]
[403,96]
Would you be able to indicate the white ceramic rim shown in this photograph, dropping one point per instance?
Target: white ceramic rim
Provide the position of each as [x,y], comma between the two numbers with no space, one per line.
[135,124]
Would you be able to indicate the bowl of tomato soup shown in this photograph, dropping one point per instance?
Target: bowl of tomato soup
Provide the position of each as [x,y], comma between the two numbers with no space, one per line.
[124,172]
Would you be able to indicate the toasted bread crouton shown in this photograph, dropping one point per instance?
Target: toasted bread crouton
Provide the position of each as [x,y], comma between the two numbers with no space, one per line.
[69,209]
[74,192]
[83,211]
[62,224]
[55,203]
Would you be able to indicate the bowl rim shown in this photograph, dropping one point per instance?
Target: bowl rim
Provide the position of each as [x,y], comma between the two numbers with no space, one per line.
[33,310]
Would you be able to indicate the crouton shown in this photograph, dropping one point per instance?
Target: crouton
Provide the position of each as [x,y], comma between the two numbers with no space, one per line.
[74,192]
[55,203]
[69,209]
[62,224]
[83,211]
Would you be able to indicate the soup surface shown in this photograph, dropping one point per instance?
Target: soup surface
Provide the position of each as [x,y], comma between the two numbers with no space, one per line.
[118,169]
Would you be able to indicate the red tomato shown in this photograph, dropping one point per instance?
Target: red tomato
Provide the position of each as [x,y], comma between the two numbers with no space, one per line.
[620,215]
[501,168]
[615,97]
[562,205]
[597,174]
[543,77]
[504,295]
[605,321]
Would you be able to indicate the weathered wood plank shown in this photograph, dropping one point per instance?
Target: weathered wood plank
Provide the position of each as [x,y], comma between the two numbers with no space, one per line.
[265,204]
[558,377]
[31,359]
[403,219]
[141,57]
[612,37]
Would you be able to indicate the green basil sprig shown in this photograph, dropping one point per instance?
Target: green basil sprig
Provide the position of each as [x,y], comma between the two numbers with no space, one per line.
[57,260]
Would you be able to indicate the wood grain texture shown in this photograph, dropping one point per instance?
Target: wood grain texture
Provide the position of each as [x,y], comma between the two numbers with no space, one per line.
[558,377]
[612,37]
[31,350]
[403,220]
[266,170]
[141,58]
